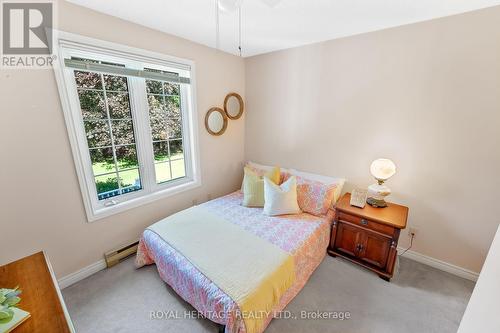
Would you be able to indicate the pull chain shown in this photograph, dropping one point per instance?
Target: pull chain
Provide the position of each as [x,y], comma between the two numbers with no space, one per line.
[217,29]
[239,19]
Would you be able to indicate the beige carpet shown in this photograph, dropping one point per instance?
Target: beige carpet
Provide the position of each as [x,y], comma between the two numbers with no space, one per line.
[419,299]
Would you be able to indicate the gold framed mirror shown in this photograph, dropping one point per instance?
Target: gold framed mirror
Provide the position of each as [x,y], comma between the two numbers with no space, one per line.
[233,106]
[216,121]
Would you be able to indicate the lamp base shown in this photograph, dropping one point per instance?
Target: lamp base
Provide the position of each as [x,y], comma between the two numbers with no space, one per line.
[376,203]
[377,194]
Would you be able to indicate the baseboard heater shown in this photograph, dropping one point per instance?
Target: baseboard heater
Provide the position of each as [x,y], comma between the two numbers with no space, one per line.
[115,256]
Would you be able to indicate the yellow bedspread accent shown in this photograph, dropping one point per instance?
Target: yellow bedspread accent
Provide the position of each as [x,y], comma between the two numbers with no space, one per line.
[252,271]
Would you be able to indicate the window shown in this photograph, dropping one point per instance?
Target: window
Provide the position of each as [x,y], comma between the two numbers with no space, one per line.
[107,119]
[131,120]
[165,120]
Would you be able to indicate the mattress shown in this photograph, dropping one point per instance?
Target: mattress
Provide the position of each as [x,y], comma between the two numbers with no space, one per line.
[305,237]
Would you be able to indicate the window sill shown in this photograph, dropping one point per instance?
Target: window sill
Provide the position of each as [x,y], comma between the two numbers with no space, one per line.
[104,212]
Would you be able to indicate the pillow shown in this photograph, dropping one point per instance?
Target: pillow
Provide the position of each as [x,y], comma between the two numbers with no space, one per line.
[322,179]
[262,169]
[253,186]
[314,197]
[280,200]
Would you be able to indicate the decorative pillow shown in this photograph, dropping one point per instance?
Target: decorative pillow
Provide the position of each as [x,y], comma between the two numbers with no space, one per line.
[322,179]
[253,186]
[261,169]
[280,200]
[314,197]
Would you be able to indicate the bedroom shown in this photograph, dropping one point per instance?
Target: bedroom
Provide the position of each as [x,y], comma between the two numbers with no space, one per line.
[416,83]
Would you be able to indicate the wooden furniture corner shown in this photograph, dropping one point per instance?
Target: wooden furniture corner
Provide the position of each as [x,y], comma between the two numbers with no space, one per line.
[40,296]
[368,236]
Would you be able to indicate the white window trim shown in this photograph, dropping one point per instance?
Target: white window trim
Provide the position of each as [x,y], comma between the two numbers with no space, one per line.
[65,82]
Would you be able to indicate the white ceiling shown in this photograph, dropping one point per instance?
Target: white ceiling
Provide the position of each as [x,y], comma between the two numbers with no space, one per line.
[290,23]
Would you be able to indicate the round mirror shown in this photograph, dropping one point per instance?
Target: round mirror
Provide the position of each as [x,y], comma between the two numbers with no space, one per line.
[233,105]
[216,121]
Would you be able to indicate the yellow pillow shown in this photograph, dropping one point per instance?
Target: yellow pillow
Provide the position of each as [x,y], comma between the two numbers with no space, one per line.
[253,186]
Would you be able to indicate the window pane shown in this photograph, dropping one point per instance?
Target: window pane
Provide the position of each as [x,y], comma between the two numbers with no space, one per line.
[119,105]
[98,134]
[160,150]
[88,80]
[174,126]
[102,160]
[176,149]
[171,88]
[102,106]
[130,180]
[123,132]
[126,157]
[157,118]
[92,104]
[105,184]
[159,130]
[154,87]
[178,168]
[173,106]
[156,105]
[162,171]
[115,83]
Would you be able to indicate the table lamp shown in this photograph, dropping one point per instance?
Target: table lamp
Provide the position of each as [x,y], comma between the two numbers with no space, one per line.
[381,169]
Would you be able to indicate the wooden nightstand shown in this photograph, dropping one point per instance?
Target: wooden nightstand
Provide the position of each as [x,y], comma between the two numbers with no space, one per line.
[368,236]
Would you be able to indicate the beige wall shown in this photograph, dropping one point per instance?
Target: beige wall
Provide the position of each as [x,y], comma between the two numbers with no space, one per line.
[426,95]
[40,201]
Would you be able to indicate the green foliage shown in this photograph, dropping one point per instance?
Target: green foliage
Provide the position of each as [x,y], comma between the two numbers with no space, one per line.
[109,184]
[104,95]
[8,298]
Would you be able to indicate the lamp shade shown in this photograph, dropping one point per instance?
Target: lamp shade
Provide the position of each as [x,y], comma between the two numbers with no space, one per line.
[382,169]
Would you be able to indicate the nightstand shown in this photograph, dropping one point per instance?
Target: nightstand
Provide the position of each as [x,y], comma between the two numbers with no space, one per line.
[368,236]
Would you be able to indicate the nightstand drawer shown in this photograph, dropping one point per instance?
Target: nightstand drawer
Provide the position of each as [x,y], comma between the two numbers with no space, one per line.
[382,228]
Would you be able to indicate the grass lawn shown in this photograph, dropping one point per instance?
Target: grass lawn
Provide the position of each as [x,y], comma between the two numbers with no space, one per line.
[162,169]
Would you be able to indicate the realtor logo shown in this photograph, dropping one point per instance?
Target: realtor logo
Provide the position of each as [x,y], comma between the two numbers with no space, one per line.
[26,31]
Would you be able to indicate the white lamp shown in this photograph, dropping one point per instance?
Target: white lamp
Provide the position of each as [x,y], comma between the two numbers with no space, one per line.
[382,169]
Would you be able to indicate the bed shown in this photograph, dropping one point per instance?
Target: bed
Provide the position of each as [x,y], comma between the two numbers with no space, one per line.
[303,236]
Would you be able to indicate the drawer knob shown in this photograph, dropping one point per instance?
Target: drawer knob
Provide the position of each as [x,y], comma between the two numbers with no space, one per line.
[364,222]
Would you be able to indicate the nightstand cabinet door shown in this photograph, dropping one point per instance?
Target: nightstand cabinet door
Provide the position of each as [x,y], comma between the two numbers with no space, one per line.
[375,249]
[349,239]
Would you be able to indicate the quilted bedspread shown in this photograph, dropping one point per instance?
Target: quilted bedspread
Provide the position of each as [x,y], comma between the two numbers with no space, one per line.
[305,237]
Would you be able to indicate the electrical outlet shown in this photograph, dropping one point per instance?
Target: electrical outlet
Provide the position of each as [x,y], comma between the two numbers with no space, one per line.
[209,196]
[412,231]
[195,202]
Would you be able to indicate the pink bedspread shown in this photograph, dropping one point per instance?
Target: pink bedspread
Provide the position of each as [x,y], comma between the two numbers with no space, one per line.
[304,236]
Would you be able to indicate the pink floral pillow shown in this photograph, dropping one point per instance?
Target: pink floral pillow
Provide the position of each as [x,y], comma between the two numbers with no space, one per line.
[314,197]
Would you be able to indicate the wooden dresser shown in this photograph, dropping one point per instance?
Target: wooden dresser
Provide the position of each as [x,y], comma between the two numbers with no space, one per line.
[368,236]
[40,296]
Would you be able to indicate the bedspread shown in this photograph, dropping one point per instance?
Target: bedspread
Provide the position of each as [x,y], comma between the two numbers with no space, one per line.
[303,236]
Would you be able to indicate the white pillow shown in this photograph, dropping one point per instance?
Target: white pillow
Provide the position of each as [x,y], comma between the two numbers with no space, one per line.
[323,179]
[280,199]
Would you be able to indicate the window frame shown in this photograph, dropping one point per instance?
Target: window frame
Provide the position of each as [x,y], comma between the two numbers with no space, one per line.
[72,45]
